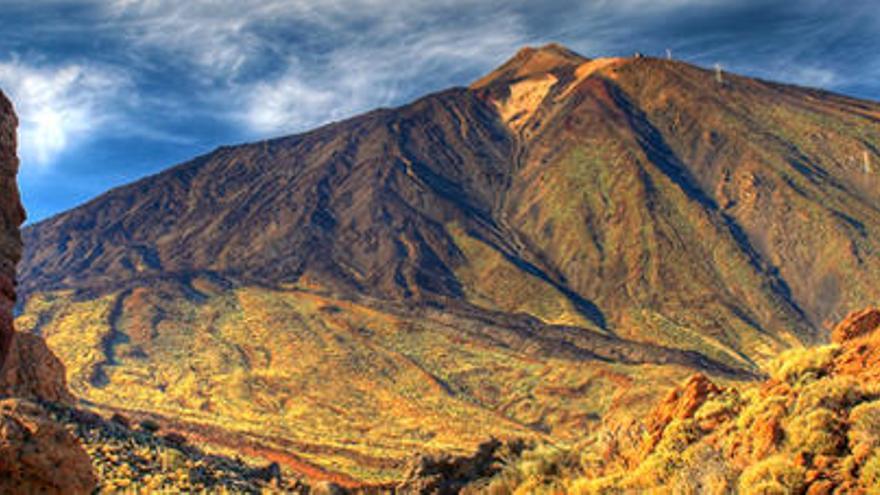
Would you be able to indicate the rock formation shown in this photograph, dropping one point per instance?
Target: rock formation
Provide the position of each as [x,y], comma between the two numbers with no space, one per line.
[11,217]
[812,427]
[37,455]
[449,474]
[33,371]
[680,403]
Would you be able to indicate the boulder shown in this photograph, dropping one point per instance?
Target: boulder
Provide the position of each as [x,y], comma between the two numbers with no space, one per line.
[37,455]
[680,403]
[856,325]
[32,371]
[859,338]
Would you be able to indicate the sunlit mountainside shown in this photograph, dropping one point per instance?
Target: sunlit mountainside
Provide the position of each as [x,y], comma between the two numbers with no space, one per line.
[562,241]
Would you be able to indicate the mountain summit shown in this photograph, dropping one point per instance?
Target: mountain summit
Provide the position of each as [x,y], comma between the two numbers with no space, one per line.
[556,242]
[533,62]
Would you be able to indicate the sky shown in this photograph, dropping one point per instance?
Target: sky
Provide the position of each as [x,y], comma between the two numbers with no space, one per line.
[108,91]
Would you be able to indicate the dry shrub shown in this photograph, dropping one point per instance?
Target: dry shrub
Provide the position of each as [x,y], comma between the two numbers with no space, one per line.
[773,475]
[796,366]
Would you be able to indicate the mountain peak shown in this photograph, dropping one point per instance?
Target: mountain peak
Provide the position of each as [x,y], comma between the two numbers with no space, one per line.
[530,61]
[520,86]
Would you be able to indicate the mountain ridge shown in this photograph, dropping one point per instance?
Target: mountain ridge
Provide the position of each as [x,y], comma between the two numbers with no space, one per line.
[583,221]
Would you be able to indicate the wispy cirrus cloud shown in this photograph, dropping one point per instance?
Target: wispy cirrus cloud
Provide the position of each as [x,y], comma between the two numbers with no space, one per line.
[284,66]
[275,66]
[383,69]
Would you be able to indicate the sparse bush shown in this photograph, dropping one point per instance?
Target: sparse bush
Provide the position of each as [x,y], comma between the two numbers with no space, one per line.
[502,484]
[121,420]
[869,476]
[774,475]
[834,393]
[719,406]
[540,469]
[864,431]
[770,406]
[796,366]
[175,439]
[601,486]
[703,472]
[542,463]
[172,459]
[678,435]
[819,431]
[149,426]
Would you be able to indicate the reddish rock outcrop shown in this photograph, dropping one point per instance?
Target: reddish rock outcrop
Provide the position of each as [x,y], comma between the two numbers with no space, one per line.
[856,325]
[11,217]
[859,338]
[37,455]
[680,403]
[32,371]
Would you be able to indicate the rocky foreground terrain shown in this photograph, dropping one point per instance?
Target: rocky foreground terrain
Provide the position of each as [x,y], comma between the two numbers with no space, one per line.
[48,443]
[37,455]
[812,427]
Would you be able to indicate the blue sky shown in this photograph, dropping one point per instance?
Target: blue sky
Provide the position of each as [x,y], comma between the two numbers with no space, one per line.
[108,91]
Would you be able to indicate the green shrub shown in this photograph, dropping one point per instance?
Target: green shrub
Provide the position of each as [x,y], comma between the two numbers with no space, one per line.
[149,426]
[719,406]
[758,407]
[704,471]
[588,486]
[541,463]
[502,484]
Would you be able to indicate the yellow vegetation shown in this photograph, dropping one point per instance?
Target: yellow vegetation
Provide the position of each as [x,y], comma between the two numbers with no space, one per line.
[807,424]
[347,387]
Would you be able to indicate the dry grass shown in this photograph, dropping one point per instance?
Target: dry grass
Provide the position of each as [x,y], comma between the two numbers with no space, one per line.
[349,388]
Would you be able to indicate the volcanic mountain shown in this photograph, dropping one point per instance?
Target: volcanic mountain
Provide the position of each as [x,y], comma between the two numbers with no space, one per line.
[557,241]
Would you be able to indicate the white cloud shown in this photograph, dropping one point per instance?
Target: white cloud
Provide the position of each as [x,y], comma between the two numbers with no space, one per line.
[285,102]
[358,77]
[817,77]
[57,106]
[279,66]
[220,36]
[348,56]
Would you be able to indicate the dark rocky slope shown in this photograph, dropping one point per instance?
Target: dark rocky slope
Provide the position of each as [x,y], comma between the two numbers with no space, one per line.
[626,183]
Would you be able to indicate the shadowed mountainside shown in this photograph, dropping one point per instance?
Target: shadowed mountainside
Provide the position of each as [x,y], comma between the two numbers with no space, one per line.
[513,250]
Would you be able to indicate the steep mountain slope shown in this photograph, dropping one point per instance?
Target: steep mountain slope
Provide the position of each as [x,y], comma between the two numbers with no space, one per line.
[493,259]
